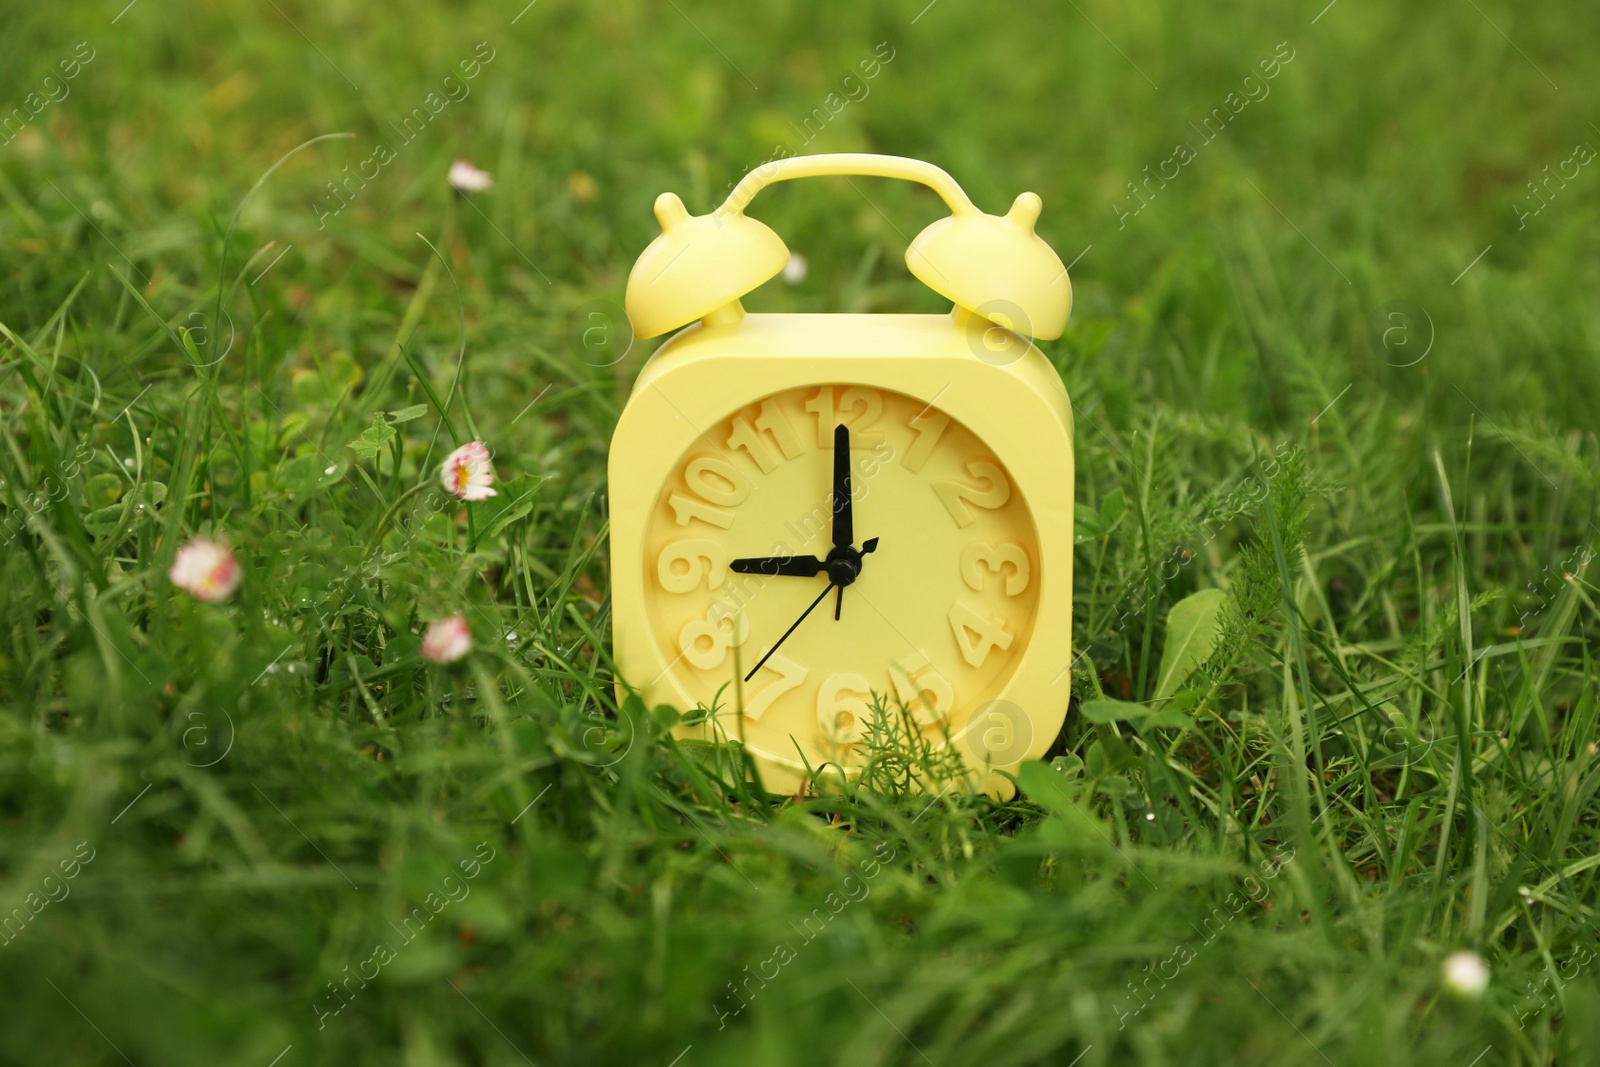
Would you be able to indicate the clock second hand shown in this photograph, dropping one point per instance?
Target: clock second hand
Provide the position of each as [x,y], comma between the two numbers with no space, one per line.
[789,631]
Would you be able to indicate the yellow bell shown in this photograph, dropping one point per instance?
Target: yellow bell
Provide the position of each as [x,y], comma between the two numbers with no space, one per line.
[993,266]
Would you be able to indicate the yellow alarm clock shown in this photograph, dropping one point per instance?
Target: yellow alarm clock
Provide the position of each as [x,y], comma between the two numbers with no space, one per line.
[814,514]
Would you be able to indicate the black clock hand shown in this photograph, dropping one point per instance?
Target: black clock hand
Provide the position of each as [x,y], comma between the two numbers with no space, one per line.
[787,632]
[845,567]
[773,566]
[843,509]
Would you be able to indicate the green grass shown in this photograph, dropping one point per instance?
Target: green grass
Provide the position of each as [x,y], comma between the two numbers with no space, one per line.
[1392,753]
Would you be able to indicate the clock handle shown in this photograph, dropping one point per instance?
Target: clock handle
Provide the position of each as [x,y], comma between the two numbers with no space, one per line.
[864,164]
[992,266]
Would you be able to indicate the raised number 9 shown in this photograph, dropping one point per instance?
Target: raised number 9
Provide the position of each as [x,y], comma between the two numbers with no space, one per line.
[680,568]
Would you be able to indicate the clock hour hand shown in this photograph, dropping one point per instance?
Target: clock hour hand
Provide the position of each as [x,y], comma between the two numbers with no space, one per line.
[792,626]
[774,566]
[843,509]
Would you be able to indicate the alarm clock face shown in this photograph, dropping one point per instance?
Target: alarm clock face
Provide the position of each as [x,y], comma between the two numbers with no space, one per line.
[938,590]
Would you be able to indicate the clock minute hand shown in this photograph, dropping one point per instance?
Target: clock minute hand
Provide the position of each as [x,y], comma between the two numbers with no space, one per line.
[775,566]
[843,525]
[790,630]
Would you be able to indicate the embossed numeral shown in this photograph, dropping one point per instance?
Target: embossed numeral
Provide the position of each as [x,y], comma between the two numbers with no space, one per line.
[930,426]
[992,492]
[717,481]
[821,405]
[771,420]
[680,568]
[687,508]
[712,481]
[979,555]
[923,689]
[774,421]
[977,633]
[705,642]
[843,710]
[860,409]
[790,674]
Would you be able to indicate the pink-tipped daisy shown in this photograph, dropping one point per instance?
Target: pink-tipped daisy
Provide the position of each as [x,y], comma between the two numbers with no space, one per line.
[466,178]
[206,570]
[446,640]
[467,472]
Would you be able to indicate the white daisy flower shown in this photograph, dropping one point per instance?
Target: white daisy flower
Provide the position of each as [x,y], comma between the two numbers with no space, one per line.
[446,640]
[466,178]
[467,472]
[206,570]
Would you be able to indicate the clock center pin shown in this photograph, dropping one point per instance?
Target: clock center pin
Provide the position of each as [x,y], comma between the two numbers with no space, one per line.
[844,566]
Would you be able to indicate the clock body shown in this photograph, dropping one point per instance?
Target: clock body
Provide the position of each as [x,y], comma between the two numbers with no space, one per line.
[961,468]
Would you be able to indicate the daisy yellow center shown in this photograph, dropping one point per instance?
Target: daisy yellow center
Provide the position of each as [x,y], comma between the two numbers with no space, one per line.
[463,476]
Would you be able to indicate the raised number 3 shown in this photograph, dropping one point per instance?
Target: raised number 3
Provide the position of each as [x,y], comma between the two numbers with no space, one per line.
[980,555]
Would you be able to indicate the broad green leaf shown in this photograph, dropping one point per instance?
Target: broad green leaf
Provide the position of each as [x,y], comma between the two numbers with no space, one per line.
[151,493]
[101,521]
[1106,710]
[1193,626]
[1069,765]
[146,496]
[342,369]
[1112,507]
[1109,753]
[379,433]
[1047,787]
[103,490]
[293,429]
[1087,525]
[306,473]
[1184,699]
[514,502]
[1091,524]
[1070,823]
[339,373]
[506,518]
[416,411]
[1114,785]
[373,438]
